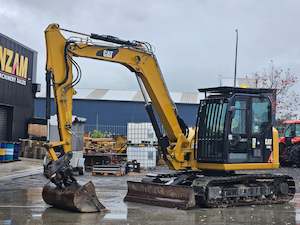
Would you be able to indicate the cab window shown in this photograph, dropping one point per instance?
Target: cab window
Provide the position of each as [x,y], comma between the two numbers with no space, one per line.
[297,133]
[261,117]
[290,131]
[238,122]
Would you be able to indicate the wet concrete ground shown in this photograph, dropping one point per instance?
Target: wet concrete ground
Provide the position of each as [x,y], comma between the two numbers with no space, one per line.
[21,204]
[14,169]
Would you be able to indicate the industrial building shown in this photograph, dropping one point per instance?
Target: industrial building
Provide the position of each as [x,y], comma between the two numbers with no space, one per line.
[111,110]
[17,88]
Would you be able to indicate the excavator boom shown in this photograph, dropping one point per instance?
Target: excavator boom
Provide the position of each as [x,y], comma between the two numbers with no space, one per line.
[139,59]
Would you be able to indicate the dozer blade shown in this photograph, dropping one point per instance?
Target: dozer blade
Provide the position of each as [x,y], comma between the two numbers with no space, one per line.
[172,196]
[75,198]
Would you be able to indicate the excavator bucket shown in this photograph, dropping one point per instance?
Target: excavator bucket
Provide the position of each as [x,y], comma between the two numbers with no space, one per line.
[172,196]
[75,198]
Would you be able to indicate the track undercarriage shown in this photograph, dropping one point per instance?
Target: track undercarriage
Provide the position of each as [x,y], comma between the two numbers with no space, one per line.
[194,189]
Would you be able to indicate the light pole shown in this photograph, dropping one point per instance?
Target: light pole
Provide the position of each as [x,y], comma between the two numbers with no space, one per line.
[236,50]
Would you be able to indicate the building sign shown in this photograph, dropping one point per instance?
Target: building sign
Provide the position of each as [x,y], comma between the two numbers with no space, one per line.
[15,61]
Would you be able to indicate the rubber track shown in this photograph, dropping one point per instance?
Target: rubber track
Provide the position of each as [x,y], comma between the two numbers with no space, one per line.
[208,181]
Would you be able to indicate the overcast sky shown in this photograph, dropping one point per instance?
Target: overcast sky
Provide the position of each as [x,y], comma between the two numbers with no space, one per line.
[194,40]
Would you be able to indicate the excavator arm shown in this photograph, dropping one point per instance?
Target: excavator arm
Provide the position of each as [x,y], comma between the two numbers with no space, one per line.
[138,58]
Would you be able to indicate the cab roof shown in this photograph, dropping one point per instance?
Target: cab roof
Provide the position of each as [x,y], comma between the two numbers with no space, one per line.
[233,90]
[227,92]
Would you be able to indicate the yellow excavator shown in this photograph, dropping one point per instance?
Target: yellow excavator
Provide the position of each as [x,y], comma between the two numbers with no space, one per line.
[233,131]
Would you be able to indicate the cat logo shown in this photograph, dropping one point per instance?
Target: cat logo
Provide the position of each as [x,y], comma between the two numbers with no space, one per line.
[13,63]
[107,53]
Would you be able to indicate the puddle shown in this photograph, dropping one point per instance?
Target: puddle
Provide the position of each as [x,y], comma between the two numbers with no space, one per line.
[25,207]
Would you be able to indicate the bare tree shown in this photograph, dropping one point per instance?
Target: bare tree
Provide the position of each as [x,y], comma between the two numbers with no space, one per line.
[287,100]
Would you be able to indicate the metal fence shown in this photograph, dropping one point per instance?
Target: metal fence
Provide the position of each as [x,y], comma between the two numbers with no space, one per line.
[140,130]
[108,130]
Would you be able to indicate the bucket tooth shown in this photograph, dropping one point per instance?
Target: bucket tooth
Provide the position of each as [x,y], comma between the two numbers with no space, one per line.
[75,198]
[172,196]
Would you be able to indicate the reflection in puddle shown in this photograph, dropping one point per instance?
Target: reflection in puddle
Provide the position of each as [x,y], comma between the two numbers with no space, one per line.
[36,215]
[296,202]
[22,198]
[297,216]
[57,216]
[6,222]
[116,215]
[28,209]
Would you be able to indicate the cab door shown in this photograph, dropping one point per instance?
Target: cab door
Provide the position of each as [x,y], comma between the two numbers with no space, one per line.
[250,133]
[261,130]
[238,135]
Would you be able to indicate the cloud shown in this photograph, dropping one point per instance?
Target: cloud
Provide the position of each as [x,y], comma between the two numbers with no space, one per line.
[194,40]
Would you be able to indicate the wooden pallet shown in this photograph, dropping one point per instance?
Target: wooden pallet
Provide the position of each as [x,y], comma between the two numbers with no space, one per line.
[118,174]
[144,144]
[108,170]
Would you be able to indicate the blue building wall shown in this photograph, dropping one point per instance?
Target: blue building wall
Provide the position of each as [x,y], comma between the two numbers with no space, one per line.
[113,113]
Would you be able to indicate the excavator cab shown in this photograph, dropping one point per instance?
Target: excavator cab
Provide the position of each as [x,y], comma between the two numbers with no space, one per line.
[233,132]
[235,127]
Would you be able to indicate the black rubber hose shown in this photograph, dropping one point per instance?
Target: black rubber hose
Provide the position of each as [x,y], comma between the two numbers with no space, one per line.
[66,63]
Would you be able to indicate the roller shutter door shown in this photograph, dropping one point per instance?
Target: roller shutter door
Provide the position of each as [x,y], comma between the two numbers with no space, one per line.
[3,123]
